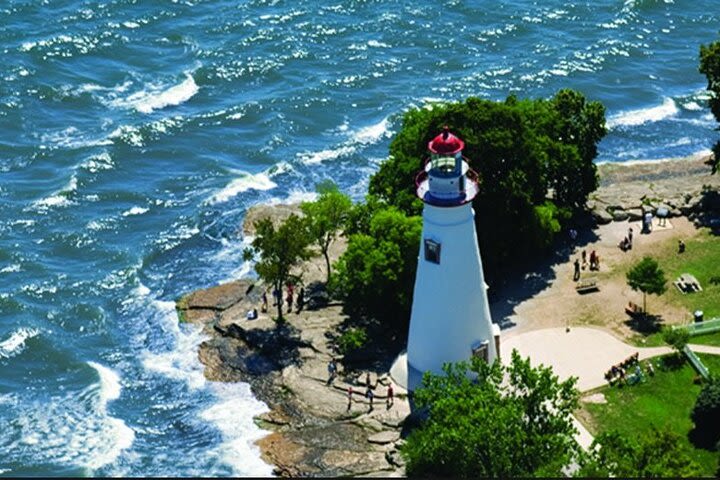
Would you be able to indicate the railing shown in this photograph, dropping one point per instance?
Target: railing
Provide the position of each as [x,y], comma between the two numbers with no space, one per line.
[698,328]
[696,362]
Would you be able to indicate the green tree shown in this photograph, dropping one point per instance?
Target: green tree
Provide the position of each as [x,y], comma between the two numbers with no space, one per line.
[706,412]
[280,249]
[647,277]
[657,454]
[676,338]
[710,66]
[522,150]
[325,217]
[375,275]
[493,421]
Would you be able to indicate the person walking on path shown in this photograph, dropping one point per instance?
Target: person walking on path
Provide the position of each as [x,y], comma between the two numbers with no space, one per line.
[629,237]
[576,275]
[390,397]
[350,394]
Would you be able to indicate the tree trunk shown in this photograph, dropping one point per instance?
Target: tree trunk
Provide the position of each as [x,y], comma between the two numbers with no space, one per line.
[280,304]
[644,305]
[327,264]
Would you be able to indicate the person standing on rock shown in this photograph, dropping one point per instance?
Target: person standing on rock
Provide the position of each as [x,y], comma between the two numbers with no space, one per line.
[290,299]
[264,307]
[390,396]
[629,237]
[301,299]
[370,396]
[332,370]
[350,394]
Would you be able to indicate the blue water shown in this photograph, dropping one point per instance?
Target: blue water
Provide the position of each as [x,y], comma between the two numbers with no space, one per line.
[135,135]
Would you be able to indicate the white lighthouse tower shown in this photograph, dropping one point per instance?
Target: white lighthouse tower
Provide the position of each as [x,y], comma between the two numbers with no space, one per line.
[450,319]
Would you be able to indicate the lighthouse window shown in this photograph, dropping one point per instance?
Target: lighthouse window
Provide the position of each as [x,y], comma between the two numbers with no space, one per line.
[432,251]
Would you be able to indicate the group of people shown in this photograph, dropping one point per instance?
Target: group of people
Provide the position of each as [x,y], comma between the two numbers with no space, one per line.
[289,298]
[594,263]
[626,243]
[369,389]
[620,373]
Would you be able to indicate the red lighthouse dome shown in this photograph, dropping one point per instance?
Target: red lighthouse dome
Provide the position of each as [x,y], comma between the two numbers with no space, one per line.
[446,143]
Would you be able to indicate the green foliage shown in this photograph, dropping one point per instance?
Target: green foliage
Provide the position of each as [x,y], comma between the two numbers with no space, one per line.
[352,339]
[521,149]
[706,412]
[493,421]
[647,277]
[375,275]
[325,217]
[676,338]
[655,454]
[280,249]
[710,66]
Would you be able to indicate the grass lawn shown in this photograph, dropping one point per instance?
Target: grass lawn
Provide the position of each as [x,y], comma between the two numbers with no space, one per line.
[707,339]
[663,401]
[701,259]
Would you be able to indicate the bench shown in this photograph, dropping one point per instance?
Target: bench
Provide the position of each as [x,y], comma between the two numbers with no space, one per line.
[584,286]
[633,309]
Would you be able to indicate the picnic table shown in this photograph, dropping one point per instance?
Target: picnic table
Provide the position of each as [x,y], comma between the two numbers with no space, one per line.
[587,285]
[687,283]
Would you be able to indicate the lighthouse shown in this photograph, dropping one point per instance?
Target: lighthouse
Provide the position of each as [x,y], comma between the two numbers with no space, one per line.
[450,318]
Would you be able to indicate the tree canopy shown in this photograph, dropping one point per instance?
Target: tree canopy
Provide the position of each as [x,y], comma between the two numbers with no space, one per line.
[326,217]
[280,249]
[375,275]
[647,277]
[706,412]
[654,454]
[522,150]
[710,66]
[499,421]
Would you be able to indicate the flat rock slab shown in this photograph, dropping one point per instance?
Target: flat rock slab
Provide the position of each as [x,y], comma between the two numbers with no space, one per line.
[220,297]
[383,438]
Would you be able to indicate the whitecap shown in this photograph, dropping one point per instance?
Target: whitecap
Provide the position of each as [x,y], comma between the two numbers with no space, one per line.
[96,163]
[15,267]
[247,181]
[135,211]
[373,133]
[148,101]
[644,115]
[315,158]
[15,344]
[58,198]
[694,106]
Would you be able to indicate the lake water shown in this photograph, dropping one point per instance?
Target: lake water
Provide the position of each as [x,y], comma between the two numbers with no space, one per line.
[134,135]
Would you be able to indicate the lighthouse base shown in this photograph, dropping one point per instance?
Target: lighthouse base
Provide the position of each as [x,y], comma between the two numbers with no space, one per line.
[404,374]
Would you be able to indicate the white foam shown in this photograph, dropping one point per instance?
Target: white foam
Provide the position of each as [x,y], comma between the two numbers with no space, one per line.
[644,115]
[315,158]
[60,197]
[15,344]
[109,384]
[14,267]
[694,106]
[97,163]
[247,181]
[135,211]
[148,101]
[373,133]
[233,415]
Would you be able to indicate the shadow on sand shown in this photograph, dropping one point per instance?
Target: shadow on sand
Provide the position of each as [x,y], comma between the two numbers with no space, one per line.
[517,284]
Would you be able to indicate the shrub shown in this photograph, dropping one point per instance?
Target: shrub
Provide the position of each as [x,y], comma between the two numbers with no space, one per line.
[706,412]
[352,339]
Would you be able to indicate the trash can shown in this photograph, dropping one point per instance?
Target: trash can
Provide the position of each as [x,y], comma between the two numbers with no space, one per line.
[698,315]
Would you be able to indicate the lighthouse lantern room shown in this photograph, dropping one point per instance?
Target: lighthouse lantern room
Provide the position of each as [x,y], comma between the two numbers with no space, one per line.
[450,318]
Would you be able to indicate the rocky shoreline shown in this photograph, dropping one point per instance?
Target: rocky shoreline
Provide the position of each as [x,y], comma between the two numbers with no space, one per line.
[313,432]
